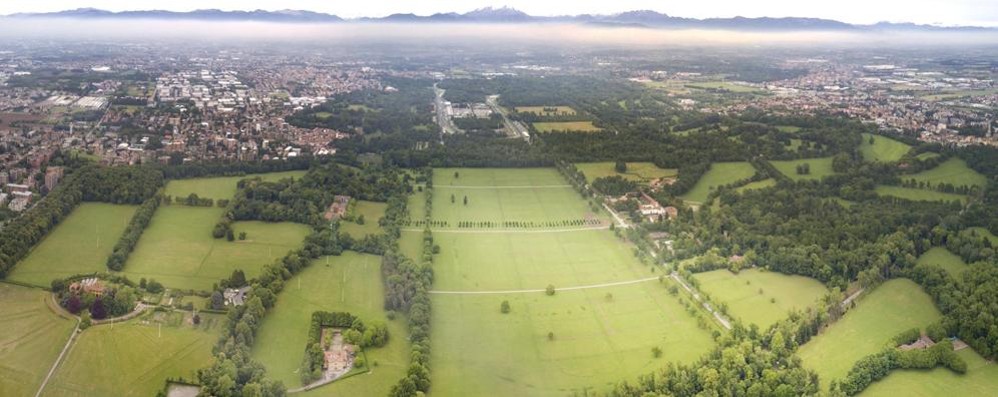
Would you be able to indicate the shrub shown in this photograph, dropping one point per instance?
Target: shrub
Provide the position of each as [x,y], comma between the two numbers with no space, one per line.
[504,307]
[549,290]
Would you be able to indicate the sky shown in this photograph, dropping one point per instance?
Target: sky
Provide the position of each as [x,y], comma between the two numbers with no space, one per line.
[938,12]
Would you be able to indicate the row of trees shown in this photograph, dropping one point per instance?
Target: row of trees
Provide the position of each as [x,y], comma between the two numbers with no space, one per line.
[126,243]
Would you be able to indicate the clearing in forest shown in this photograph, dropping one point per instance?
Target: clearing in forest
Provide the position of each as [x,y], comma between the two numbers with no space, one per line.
[371,212]
[882,149]
[637,172]
[760,297]
[918,194]
[547,110]
[981,379]
[942,257]
[720,174]
[818,168]
[566,126]
[953,171]
[222,187]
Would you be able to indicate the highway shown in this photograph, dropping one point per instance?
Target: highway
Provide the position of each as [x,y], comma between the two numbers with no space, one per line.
[443,119]
[513,128]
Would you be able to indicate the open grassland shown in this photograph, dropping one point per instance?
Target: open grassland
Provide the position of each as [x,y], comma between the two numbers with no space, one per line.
[136,357]
[820,168]
[540,110]
[981,379]
[788,128]
[528,195]
[372,211]
[954,171]
[987,234]
[760,297]
[80,244]
[883,149]
[917,194]
[637,172]
[566,126]
[177,248]
[720,174]
[939,256]
[223,187]
[352,283]
[927,155]
[757,185]
[31,337]
[894,306]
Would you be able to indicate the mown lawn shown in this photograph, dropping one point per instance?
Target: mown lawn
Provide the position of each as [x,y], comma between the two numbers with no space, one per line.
[883,149]
[820,168]
[918,194]
[954,171]
[371,211]
[940,256]
[760,297]
[720,174]
[223,187]
[566,126]
[981,379]
[638,172]
[757,185]
[31,338]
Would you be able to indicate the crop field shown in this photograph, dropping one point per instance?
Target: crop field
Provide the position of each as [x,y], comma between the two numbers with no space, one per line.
[80,244]
[720,174]
[177,248]
[883,149]
[31,338]
[981,379]
[917,194]
[759,297]
[136,357]
[372,211]
[942,257]
[539,110]
[954,171]
[894,306]
[566,126]
[757,185]
[223,187]
[820,168]
[529,195]
[352,283]
[637,172]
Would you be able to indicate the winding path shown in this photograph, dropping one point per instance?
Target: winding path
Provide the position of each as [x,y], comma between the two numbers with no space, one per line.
[531,291]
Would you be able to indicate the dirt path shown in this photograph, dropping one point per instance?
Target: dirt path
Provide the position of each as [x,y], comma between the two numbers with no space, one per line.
[852,297]
[531,291]
[620,221]
[72,337]
[720,319]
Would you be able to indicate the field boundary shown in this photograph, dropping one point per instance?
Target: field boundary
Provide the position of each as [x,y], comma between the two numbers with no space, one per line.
[530,291]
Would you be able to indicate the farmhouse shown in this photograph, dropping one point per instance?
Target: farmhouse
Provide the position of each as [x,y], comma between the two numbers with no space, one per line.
[650,208]
[235,296]
[91,285]
[338,208]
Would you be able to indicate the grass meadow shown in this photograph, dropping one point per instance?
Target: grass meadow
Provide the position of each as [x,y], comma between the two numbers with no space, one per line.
[720,174]
[883,149]
[539,110]
[820,168]
[350,282]
[942,257]
[917,194]
[80,244]
[223,187]
[372,211]
[986,233]
[566,126]
[954,171]
[894,306]
[757,185]
[637,172]
[31,338]
[981,379]
[760,297]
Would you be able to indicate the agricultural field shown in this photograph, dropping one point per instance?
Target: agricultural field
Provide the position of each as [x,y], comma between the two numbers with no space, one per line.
[757,185]
[80,244]
[177,248]
[954,171]
[352,283]
[136,357]
[223,187]
[540,110]
[31,338]
[942,257]
[981,379]
[760,297]
[892,307]
[566,126]
[820,168]
[720,174]
[372,212]
[883,149]
[918,194]
[637,172]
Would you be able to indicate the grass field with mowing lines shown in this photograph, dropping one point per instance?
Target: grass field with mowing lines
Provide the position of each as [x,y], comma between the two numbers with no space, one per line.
[80,244]
[720,174]
[742,293]
[883,148]
[352,283]
[940,256]
[30,339]
[136,357]
[917,194]
[820,168]
[566,126]
[894,306]
[372,211]
[638,172]
[981,379]
[223,187]
[757,185]
[954,171]
[177,248]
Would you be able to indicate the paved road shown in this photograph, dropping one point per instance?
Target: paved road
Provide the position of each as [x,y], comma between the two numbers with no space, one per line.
[446,124]
[531,291]
[513,128]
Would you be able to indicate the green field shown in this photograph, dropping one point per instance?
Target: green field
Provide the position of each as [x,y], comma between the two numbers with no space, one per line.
[894,306]
[720,174]
[917,194]
[223,187]
[136,357]
[350,282]
[539,110]
[177,248]
[941,257]
[953,171]
[31,338]
[372,211]
[757,185]
[927,155]
[883,148]
[788,128]
[724,85]
[80,244]
[981,379]
[984,232]
[563,126]
[820,168]
[638,172]
[742,294]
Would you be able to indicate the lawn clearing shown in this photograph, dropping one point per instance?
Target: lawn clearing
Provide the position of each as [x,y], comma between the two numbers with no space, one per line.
[820,168]
[566,126]
[948,261]
[638,172]
[31,338]
[894,306]
[883,149]
[927,155]
[352,283]
[136,357]
[720,174]
[371,211]
[177,248]
[80,244]
[981,379]
[986,233]
[788,128]
[736,87]
[223,187]
[547,110]
[768,182]
[742,293]
[954,171]
[917,194]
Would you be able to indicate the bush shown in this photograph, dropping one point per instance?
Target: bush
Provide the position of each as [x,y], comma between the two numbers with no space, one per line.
[504,307]
[549,290]
[358,362]
[936,332]
[907,336]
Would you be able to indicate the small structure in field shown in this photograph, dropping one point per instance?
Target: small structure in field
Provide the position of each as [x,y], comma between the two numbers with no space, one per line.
[338,208]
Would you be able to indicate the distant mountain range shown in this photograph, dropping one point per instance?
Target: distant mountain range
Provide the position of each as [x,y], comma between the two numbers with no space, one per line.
[641,18]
